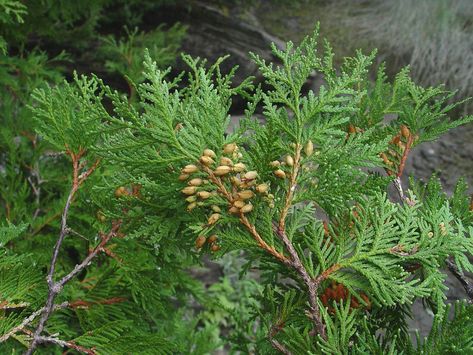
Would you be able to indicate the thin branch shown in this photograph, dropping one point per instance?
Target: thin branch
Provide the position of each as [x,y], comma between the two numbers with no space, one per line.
[278,346]
[467,285]
[410,141]
[273,330]
[87,304]
[291,188]
[56,287]
[28,320]
[66,344]
[312,284]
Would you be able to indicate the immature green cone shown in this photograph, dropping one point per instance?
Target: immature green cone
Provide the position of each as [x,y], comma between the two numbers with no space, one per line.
[216,209]
[309,148]
[100,216]
[210,153]
[222,170]
[191,206]
[289,160]
[189,169]
[191,199]
[189,190]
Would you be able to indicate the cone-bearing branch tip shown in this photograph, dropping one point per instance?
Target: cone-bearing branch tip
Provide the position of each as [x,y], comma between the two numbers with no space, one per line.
[214,217]
[216,209]
[239,203]
[204,194]
[234,210]
[191,206]
[405,131]
[215,247]
[247,208]
[183,177]
[250,175]
[189,169]
[280,174]
[262,188]
[209,153]
[200,241]
[245,194]
[189,190]
[229,148]
[235,181]
[275,164]
[195,182]
[226,161]
[212,239]
[239,167]
[207,161]
[222,170]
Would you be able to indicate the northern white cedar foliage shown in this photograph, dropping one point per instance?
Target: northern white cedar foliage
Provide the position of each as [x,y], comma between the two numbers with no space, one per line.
[182,186]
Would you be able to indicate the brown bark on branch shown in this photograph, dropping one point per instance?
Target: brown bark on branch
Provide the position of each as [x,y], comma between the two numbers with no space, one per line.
[55,287]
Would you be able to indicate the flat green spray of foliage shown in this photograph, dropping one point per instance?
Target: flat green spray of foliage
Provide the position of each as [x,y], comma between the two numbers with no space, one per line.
[300,189]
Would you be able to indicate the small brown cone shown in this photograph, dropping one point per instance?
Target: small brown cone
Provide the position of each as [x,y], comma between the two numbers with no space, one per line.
[280,174]
[200,241]
[214,217]
[405,131]
[247,208]
[222,170]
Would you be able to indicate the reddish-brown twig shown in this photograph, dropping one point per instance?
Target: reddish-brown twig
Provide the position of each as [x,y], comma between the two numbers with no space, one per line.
[55,287]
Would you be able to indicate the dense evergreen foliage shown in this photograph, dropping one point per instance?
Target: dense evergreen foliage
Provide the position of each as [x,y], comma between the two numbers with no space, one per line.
[110,201]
